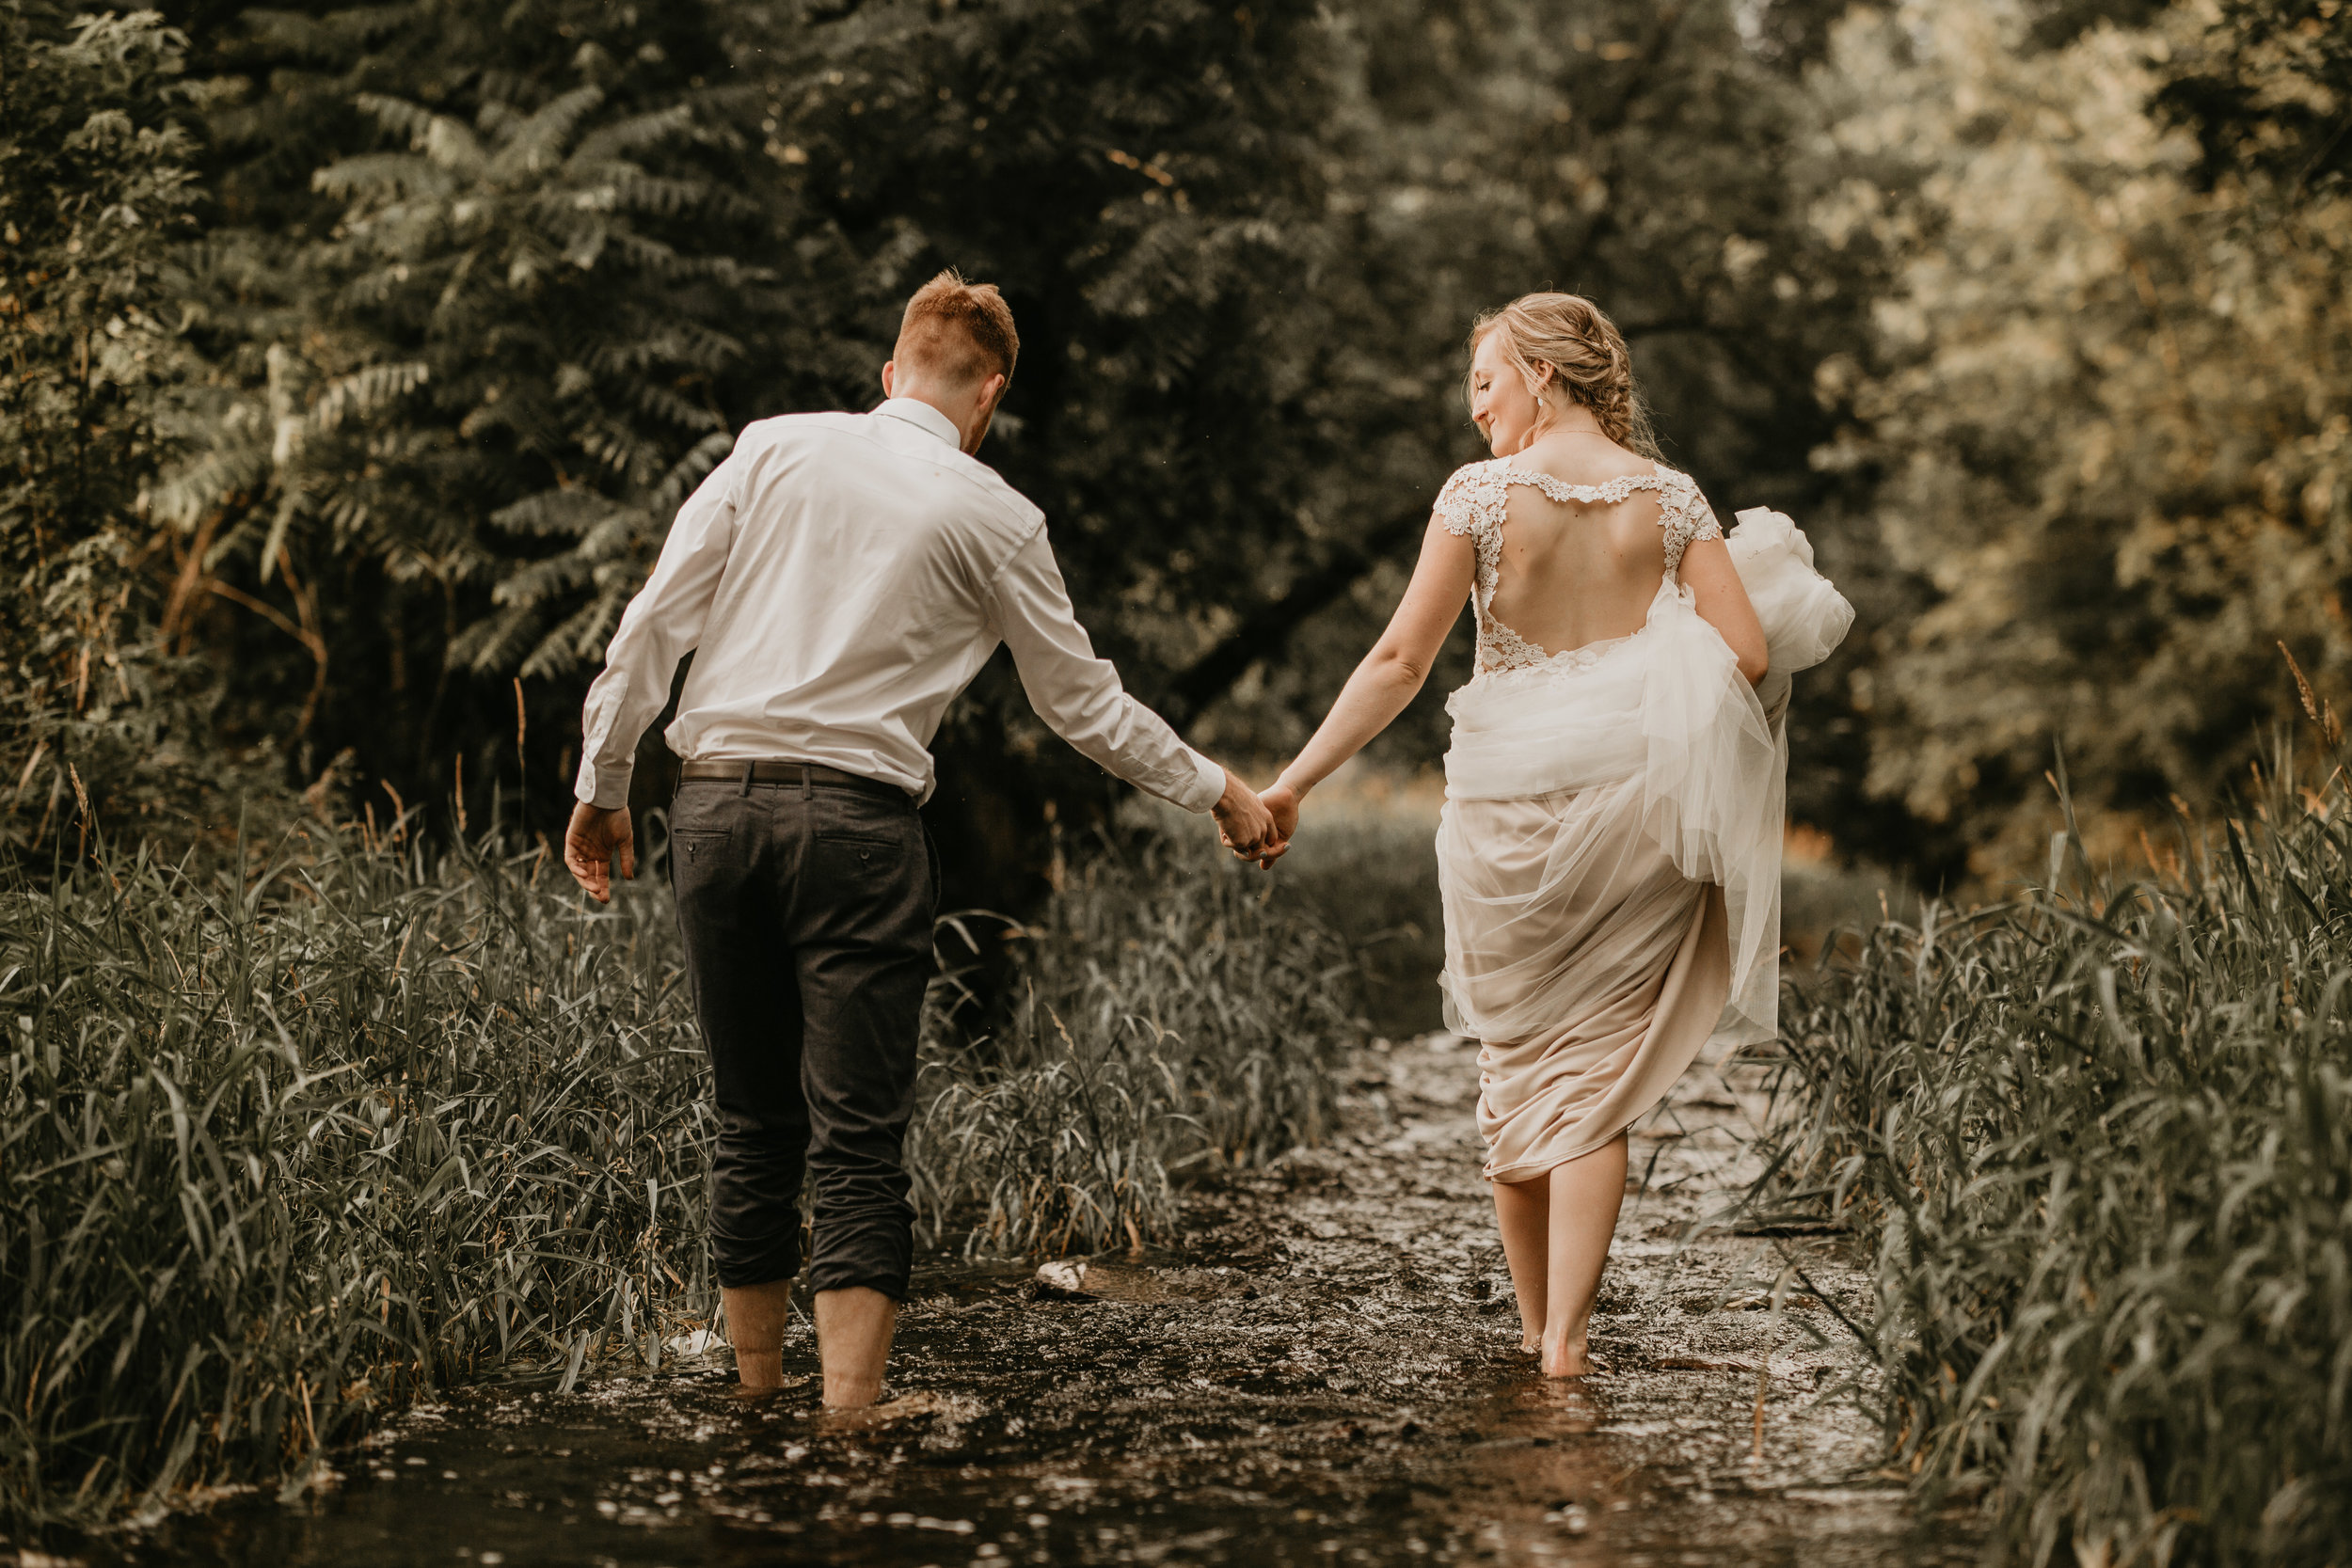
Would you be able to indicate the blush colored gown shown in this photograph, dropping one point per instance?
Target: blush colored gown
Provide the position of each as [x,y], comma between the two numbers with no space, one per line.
[1610,848]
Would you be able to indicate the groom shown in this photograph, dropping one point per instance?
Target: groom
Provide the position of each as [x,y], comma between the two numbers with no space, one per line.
[839,579]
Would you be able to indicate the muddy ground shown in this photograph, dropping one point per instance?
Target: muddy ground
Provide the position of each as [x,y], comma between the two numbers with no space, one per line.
[1326,1371]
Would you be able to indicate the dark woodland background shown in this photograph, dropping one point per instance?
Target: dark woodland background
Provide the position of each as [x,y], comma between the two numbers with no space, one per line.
[354,360]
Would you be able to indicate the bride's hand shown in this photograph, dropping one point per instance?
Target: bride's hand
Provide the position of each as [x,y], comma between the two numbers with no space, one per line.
[1281,802]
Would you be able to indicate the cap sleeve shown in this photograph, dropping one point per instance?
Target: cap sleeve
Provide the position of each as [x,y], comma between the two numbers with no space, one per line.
[1704,523]
[1459,508]
[1685,516]
[1471,506]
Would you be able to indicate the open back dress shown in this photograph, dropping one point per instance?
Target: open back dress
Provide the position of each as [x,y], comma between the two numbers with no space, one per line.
[1610,848]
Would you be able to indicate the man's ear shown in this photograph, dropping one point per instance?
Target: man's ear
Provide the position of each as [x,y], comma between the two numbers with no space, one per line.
[890,375]
[993,391]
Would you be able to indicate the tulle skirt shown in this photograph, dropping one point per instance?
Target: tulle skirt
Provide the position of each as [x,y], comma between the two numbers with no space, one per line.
[1610,858]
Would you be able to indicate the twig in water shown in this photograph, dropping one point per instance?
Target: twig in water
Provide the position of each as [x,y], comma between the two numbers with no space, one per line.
[1763,1381]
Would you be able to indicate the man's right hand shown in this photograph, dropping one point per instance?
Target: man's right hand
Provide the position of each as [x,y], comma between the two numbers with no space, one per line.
[1244,824]
[590,843]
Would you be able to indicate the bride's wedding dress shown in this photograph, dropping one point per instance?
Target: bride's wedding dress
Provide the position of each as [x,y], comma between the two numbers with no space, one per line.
[1610,848]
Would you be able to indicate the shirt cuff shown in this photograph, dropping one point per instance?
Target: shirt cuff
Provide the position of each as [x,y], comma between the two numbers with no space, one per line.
[605,788]
[1207,787]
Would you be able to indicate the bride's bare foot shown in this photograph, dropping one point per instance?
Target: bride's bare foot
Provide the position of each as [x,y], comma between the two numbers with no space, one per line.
[1566,1360]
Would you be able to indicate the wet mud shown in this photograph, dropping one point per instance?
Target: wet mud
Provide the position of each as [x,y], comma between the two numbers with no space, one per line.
[1326,1370]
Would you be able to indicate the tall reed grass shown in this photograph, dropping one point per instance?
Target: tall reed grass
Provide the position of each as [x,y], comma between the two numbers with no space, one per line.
[285,1145]
[1173,1011]
[283,1148]
[2099,1139]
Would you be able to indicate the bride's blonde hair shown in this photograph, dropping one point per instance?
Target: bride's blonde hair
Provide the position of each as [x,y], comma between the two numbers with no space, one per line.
[1590,363]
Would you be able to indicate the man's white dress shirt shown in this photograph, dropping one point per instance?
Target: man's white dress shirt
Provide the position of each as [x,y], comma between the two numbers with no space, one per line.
[840,577]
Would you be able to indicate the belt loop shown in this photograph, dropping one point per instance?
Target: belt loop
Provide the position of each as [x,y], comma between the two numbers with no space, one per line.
[808,783]
[748,770]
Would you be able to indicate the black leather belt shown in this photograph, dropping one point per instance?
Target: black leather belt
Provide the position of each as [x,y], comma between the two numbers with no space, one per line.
[806,774]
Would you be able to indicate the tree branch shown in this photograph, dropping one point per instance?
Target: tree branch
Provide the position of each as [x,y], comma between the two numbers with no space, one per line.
[309,638]
[1264,630]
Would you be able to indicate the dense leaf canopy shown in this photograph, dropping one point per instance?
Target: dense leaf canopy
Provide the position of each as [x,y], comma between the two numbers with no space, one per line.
[363,354]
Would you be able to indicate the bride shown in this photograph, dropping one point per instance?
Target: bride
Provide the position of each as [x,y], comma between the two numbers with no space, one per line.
[1610,848]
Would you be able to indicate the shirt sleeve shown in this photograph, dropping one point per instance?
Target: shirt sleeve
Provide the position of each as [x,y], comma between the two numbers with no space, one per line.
[661,625]
[1079,695]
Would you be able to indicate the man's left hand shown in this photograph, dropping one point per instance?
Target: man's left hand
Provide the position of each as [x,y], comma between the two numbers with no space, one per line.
[590,844]
[1243,823]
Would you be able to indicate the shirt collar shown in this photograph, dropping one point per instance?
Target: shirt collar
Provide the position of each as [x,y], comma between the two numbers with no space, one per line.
[921,415]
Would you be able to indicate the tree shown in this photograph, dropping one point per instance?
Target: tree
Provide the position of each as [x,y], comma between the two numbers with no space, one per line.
[558,275]
[2266,87]
[96,186]
[481,293]
[2105,408]
[473,339]
[1658,159]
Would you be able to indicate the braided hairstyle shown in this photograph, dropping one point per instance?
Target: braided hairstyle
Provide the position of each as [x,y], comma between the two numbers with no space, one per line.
[1589,361]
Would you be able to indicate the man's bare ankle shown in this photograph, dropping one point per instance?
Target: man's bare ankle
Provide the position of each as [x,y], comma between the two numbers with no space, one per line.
[854,1331]
[843,1394]
[757,1317]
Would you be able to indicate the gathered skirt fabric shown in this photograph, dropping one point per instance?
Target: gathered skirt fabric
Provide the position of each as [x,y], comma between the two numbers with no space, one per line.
[1565,893]
[1610,858]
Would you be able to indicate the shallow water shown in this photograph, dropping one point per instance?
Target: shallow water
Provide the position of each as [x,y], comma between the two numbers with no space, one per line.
[1324,1371]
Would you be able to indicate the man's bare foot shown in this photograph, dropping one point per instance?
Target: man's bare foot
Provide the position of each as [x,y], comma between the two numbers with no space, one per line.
[1567,1360]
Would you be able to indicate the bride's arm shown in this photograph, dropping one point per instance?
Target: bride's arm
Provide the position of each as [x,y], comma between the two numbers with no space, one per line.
[1723,603]
[1391,675]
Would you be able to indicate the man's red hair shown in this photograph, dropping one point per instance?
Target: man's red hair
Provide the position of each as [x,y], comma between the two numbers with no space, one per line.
[958,331]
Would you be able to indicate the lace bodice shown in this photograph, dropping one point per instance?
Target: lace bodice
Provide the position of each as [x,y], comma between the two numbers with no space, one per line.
[1472,504]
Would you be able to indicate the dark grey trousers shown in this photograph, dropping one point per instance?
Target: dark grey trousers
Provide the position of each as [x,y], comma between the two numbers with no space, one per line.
[806,912]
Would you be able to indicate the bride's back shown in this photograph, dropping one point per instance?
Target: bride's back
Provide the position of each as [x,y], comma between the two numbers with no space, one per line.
[1580,568]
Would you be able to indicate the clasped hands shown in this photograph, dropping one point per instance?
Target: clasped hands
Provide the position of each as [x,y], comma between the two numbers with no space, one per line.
[1256,827]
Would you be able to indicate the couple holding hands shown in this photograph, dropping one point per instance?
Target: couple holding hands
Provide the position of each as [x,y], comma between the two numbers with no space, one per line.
[1608,851]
